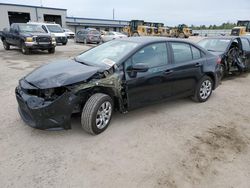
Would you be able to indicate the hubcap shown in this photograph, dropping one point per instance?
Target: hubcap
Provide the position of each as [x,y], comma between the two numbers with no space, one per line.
[206,89]
[103,115]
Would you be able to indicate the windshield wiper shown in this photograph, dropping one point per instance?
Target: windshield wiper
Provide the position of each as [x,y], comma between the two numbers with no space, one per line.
[210,50]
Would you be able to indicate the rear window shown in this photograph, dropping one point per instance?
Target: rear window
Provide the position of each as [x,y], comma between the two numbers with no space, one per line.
[94,32]
[182,52]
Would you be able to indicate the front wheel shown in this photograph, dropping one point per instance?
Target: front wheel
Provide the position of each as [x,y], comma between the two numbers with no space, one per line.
[97,113]
[51,50]
[203,89]
[24,49]
[6,45]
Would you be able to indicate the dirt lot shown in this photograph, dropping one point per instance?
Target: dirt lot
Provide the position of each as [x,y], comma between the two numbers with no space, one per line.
[174,144]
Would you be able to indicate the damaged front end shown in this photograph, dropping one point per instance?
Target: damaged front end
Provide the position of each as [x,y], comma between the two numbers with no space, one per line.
[45,108]
[52,108]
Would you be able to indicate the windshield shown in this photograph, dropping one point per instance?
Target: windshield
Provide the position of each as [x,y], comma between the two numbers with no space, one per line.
[28,28]
[216,45]
[107,54]
[243,23]
[55,29]
[94,32]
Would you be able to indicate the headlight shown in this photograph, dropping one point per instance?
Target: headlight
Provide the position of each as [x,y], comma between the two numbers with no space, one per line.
[48,93]
[53,39]
[29,39]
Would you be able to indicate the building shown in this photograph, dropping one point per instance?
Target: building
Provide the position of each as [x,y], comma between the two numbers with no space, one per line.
[15,13]
[75,24]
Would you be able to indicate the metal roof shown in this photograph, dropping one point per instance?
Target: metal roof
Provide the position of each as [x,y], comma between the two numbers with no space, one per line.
[81,18]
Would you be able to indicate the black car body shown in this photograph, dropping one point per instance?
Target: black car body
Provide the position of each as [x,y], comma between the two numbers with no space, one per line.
[144,70]
[234,52]
[27,37]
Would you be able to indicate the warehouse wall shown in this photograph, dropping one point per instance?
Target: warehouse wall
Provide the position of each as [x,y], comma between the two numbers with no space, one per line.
[36,14]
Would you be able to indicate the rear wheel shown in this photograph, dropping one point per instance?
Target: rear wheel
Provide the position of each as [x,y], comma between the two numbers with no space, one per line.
[24,49]
[6,45]
[97,113]
[203,89]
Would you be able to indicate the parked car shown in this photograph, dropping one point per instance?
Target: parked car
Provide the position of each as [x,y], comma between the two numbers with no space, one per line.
[28,37]
[69,34]
[88,36]
[112,36]
[120,75]
[54,30]
[234,52]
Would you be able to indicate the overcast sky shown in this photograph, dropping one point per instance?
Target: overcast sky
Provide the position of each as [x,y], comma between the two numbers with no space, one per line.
[169,12]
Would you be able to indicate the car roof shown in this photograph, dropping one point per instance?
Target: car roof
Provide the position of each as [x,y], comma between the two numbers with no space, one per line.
[146,40]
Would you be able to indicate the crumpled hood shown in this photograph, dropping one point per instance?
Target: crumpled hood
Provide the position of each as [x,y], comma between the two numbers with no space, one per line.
[61,73]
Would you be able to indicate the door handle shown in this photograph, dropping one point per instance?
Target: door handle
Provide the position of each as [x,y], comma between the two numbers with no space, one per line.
[168,72]
[198,64]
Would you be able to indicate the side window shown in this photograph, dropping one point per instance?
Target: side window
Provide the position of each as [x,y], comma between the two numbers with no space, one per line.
[153,55]
[245,45]
[79,33]
[45,29]
[182,52]
[196,53]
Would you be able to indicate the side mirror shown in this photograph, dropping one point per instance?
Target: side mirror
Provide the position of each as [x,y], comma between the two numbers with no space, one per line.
[140,67]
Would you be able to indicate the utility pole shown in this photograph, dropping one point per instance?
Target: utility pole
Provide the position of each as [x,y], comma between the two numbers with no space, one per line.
[113,13]
[41,2]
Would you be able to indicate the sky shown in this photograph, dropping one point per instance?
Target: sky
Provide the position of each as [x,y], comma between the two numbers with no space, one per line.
[169,12]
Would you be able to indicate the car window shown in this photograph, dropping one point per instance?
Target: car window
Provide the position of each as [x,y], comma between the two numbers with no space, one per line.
[45,29]
[153,55]
[196,53]
[79,33]
[245,45]
[182,52]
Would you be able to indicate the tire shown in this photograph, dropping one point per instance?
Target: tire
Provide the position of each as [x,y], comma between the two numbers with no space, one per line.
[203,89]
[135,35]
[6,45]
[24,49]
[85,41]
[90,115]
[181,35]
[51,50]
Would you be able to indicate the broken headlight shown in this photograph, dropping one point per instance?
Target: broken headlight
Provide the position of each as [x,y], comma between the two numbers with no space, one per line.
[52,94]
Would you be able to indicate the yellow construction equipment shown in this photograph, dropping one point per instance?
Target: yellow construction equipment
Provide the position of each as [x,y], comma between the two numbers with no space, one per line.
[182,31]
[243,28]
[137,28]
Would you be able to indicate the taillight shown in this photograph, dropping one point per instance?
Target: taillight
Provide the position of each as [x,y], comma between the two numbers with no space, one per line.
[218,61]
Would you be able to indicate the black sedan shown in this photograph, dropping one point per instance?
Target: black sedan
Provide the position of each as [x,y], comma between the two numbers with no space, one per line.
[119,75]
[234,52]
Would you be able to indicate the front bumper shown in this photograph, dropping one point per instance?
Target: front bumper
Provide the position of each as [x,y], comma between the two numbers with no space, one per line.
[41,114]
[40,46]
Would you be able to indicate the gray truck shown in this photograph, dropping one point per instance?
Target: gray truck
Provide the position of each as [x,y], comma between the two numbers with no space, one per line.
[28,37]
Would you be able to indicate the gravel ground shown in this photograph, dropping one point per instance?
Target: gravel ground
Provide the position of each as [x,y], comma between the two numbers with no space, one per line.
[174,144]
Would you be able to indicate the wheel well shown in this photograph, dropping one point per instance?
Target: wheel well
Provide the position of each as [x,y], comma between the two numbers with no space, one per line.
[109,92]
[211,75]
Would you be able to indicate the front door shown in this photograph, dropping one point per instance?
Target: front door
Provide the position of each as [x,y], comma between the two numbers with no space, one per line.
[246,50]
[144,87]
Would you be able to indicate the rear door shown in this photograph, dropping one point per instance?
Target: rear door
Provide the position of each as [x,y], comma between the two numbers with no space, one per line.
[187,63]
[246,49]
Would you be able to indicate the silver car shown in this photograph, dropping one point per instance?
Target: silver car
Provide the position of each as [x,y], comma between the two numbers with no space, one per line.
[88,36]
